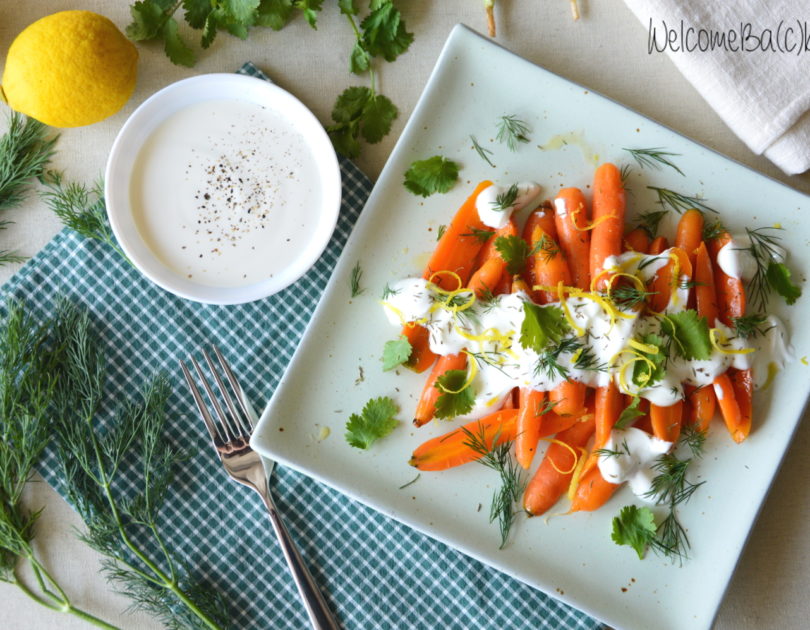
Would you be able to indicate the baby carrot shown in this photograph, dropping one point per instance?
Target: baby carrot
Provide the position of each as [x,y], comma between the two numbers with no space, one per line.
[666,421]
[592,492]
[571,219]
[637,240]
[430,393]
[658,245]
[705,292]
[453,448]
[529,421]
[607,407]
[703,404]
[556,470]
[487,277]
[422,357]
[730,408]
[550,265]
[489,250]
[665,284]
[608,220]
[690,233]
[743,385]
[730,291]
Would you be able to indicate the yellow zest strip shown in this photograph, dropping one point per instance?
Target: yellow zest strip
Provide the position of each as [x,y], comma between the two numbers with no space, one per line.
[570,448]
[644,347]
[715,334]
[574,214]
[773,370]
[623,369]
[611,311]
[490,334]
[676,278]
[398,313]
[452,274]
[572,487]
[472,371]
[492,401]
[580,332]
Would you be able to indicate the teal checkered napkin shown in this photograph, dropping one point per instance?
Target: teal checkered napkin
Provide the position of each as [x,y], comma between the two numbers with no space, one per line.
[375,572]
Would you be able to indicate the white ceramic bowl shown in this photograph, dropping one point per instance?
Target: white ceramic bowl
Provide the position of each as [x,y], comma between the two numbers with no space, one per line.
[148,117]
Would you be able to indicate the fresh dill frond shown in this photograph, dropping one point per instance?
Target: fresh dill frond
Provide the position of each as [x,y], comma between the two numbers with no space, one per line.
[546,406]
[505,200]
[608,452]
[511,131]
[481,151]
[25,151]
[650,221]
[654,158]
[547,246]
[750,326]
[764,250]
[80,208]
[440,232]
[548,360]
[587,361]
[354,280]
[625,173]
[482,235]
[694,439]
[388,291]
[680,202]
[513,482]
[629,296]
[713,230]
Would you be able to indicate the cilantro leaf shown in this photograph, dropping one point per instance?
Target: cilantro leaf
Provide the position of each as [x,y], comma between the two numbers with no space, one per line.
[690,334]
[348,7]
[359,60]
[359,112]
[629,414]
[435,174]
[384,33]
[375,422]
[645,375]
[310,9]
[274,13]
[148,17]
[196,12]
[456,398]
[778,276]
[634,527]
[378,114]
[542,325]
[514,251]
[396,352]
[241,11]
[176,49]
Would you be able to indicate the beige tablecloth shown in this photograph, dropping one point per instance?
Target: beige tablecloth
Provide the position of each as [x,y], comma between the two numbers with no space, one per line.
[606,51]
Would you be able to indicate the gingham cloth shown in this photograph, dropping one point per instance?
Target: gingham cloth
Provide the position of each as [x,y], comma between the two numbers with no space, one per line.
[375,572]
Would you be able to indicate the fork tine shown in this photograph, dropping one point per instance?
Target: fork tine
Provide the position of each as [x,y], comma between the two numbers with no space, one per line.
[198,400]
[224,425]
[237,388]
[244,431]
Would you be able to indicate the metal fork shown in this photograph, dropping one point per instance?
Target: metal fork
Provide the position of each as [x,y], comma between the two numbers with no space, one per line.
[231,438]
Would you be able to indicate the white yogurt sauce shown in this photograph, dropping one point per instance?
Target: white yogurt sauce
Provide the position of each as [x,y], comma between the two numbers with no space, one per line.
[736,260]
[489,210]
[629,455]
[221,192]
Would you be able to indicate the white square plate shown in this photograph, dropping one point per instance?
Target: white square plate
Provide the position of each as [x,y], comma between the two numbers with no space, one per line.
[337,367]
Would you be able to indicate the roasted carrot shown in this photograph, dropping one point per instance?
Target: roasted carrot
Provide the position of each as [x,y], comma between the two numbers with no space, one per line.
[702,405]
[571,219]
[543,217]
[705,291]
[607,222]
[487,277]
[529,421]
[554,475]
[489,250]
[422,357]
[730,291]
[550,266]
[743,385]
[658,245]
[690,233]
[665,284]
[666,421]
[452,449]
[430,393]
[730,408]
[607,407]
[637,240]
[592,492]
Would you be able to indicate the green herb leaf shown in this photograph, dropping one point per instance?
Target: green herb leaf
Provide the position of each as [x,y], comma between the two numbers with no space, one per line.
[654,158]
[273,13]
[481,151]
[354,280]
[511,131]
[680,202]
[384,33]
[435,174]
[348,7]
[779,277]
[749,325]
[457,397]
[375,422]
[649,221]
[359,112]
[514,251]
[396,352]
[634,527]
[176,49]
[690,334]
[629,414]
[542,325]
[645,375]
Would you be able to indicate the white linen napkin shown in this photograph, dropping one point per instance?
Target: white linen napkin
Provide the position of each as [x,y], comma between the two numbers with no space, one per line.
[761,90]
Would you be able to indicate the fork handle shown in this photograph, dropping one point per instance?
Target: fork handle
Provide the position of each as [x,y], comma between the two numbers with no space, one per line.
[320,616]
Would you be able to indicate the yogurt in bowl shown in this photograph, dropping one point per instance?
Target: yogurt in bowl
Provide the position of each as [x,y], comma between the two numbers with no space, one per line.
[222,188]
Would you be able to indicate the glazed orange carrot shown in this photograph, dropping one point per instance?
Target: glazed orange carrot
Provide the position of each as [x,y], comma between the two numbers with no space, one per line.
[592,492]
[550,266]
[690,233]
[452,449]
[607,408]
[665,284]
[729,407]
[705,291]
[658,245]
[743,384]
[637,240]
[430,393]
[703,404]
[571,219]
[554,475]
[489,250]
[608,221]
[666,421]
[730,291]
[544,217]
[552,423]
[529,421]
[487,277]
[456,251]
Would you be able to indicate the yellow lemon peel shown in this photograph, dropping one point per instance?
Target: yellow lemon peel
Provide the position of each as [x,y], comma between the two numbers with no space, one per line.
[568,447]
[716,334]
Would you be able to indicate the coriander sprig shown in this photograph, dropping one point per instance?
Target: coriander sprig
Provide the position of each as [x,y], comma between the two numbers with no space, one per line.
[512,131]
[654,158]
[680,202]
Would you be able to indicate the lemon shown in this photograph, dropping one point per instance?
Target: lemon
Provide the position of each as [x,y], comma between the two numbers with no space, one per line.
[70,69]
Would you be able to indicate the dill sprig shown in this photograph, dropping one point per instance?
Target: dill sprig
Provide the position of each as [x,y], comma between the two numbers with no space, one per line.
[511,131]
[625,173]
[440,231]
[750,326]
[764,250]
[80,208]
[548,360]
[498,458]
[650,221]
[27,385]
[388,291]
[482,235]
[25,151]
[505,200]
[94,458]
[654,158]
[354,280]
[481,151]
[629,296]
[680,202]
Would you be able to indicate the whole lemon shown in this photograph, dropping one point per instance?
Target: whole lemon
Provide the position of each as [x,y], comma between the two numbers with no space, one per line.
[70,69]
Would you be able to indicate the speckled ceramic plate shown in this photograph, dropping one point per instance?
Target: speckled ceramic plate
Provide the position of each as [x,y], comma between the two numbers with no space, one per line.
[337,366]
